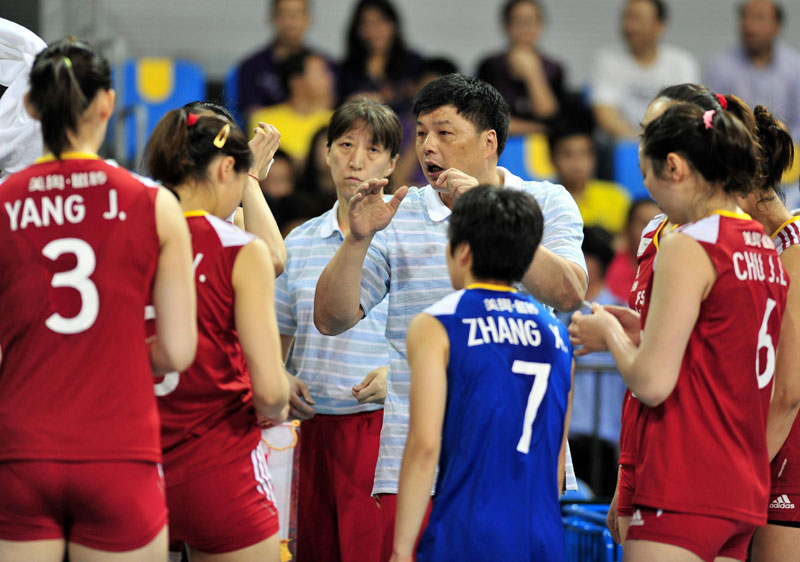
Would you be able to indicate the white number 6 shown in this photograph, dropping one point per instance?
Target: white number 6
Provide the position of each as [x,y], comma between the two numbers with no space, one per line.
[765,341]
[77,279]
[541,372]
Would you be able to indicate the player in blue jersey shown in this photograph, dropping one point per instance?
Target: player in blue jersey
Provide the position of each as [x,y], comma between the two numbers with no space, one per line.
[490,387]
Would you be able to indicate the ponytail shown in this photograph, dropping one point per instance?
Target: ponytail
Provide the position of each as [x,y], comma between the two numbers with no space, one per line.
[183,144]
[64,80]
[716,144]
[777,148]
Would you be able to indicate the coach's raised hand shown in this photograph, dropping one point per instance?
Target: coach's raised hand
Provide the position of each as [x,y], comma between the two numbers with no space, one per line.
[454,183]
[368,212]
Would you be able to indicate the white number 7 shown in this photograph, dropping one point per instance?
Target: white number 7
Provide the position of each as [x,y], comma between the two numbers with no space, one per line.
[541,372]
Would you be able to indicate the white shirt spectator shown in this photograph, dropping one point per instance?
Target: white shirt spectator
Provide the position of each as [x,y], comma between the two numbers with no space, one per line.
[619,80]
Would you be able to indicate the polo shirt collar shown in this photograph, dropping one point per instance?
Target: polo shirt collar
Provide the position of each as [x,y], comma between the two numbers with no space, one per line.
[330,224]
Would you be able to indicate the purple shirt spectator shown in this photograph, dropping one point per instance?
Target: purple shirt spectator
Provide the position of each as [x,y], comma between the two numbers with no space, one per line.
[496,70]
[776,85]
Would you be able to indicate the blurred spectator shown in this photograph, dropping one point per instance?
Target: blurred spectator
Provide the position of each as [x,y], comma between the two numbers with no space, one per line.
[622,270]
[531,83]
[309,81]
[599,390]
[626,79]
[316,178]
[601,203]
[295,209]
[408,171]
[259,75]
[761,70]
[280,182]
[377,60]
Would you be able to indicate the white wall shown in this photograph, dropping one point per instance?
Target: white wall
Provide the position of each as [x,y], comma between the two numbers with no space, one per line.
[218,33]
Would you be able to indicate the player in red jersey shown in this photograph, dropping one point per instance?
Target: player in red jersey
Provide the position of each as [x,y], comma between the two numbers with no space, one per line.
[218,488]
[86,244]
[704,372]
[254,214]
[780,539]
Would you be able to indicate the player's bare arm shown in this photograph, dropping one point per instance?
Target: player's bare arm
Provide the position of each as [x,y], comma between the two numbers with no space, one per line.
[428,351]
[174,296]
[555,281]
[257,216]
[686,275]
[336,301]
[786,387]
[254,287]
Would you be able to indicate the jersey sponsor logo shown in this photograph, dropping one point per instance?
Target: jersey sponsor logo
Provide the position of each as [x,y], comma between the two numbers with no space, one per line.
[781,502]
[507,305]
[636,519]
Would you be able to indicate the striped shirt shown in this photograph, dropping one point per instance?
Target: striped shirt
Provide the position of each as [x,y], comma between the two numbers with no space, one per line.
[408,264]
[329,365]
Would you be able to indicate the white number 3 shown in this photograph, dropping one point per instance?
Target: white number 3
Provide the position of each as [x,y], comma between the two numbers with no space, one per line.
[77,279]
[765,341]
[541,372]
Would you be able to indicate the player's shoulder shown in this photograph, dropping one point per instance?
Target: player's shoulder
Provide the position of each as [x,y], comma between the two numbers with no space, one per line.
[229,235]
[787,235]
[446,306]
[706,229]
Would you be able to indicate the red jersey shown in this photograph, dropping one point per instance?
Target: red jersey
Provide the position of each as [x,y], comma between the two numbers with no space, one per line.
[704,449]
[785,467]
[207,413]
[632,409]
[79,252]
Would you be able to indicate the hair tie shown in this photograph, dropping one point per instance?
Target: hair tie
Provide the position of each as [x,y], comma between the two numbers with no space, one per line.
[67,62]
[191,119]
[708,117]
[722,101]
[222,136]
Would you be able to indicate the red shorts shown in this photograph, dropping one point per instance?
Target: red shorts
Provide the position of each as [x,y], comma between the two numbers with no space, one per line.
[706,536]
[784,509]
[111,506]
[337,517]
[625,488]
[226,509]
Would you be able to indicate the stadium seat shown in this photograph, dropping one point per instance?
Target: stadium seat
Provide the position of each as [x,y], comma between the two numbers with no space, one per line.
[583,493]
[147,88]
[528,157]
[626,169]
[231,93]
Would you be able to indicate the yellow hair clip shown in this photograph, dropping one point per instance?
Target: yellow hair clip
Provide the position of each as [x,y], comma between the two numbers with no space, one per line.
[67,62]
[222,136]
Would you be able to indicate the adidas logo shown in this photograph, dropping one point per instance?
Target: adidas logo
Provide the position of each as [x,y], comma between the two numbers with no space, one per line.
[636,519]
[781,502]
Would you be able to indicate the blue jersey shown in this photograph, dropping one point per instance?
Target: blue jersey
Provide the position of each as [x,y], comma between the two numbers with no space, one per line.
[508,380]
